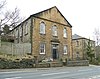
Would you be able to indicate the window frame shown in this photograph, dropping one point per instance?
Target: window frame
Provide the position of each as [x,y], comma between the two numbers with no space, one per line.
[16,33]
[26,28]
[77,43]
[42,28]
[42,49]
[65,49]
[77,54]
[65,32]
[20,31]
[54,30]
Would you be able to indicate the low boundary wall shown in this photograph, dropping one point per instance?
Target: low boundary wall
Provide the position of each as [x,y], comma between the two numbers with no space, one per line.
[78,63]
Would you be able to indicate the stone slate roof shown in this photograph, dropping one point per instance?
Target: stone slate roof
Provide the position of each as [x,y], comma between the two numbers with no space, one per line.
[36,14]
[75,36]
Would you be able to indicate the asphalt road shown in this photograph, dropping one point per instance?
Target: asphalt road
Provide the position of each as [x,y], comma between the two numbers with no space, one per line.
[88,72]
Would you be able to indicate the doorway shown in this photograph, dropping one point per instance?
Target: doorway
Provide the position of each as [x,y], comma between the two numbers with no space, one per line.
[55,51]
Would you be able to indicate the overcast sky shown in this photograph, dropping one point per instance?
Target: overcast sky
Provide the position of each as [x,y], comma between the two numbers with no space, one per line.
[83,15]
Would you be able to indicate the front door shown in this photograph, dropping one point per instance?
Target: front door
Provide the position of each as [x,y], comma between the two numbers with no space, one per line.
[54,51]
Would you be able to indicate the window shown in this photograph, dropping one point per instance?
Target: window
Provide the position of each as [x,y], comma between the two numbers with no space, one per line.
[42,48]
[77,55]
[26,28]
[54,31]
[65,33]
[65,49]
[16,33]
[77,43]
[42,28]
[20,31]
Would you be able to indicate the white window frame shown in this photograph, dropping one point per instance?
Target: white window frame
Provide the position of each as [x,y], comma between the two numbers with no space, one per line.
[65,33]
[54,30]
[42,48]
[65,49]
[42,28]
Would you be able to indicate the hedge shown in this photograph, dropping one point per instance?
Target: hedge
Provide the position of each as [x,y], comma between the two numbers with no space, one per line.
[13,64]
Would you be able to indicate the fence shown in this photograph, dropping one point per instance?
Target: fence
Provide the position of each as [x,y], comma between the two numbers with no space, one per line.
[15,49]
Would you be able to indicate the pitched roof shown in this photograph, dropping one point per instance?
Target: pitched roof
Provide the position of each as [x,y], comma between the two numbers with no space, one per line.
[36,14]
[75,36]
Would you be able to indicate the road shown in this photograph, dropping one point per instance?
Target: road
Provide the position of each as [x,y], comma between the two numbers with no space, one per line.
[87,72]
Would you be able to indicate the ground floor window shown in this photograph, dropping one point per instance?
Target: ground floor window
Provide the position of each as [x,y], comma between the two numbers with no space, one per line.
[42,48]
[65,48]
[77,55]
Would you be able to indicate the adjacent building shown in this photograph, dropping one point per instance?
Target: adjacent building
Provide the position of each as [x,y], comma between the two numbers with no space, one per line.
[49,34]
[79,44]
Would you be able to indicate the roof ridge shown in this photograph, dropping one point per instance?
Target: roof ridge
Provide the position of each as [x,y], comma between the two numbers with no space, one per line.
[49,9]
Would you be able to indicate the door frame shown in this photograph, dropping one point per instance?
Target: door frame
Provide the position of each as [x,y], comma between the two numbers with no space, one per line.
[55,47]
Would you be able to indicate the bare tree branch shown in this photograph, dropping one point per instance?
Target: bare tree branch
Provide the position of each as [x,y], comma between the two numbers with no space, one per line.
[2,4]
[97,36]
[11,18]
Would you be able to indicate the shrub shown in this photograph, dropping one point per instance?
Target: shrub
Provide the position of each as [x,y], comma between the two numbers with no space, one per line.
[13,64]
[95,62]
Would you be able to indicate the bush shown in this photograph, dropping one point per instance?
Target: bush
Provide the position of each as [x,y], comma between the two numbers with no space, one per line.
[27,63]
[95,62]
[13,64]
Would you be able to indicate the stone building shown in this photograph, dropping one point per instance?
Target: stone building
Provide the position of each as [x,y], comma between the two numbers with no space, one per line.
[49,34]
[79,46]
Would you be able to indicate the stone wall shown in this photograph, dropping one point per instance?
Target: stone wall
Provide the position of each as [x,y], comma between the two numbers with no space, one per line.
[47,38]
[78,63]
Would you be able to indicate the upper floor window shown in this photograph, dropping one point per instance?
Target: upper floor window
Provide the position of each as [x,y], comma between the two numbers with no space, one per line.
[65,32]
[16,33]
[65,49]
[20,31]
[26,27]
[54,30]
[42,48]
[42,28]
[77,43]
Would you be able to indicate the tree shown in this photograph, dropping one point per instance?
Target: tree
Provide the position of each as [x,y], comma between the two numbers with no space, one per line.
[6,29]
[90,51]
[2,4]
[97,41]
[10,18]
[97,36]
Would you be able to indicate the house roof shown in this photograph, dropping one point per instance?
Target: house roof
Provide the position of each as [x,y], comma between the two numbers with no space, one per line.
[76,37]
[36,14]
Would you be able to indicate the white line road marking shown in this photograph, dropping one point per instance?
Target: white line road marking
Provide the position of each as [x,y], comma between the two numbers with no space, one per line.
[10,72]
[95,77]
[6,72]
[85,70]
[14,78]
[54,73]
